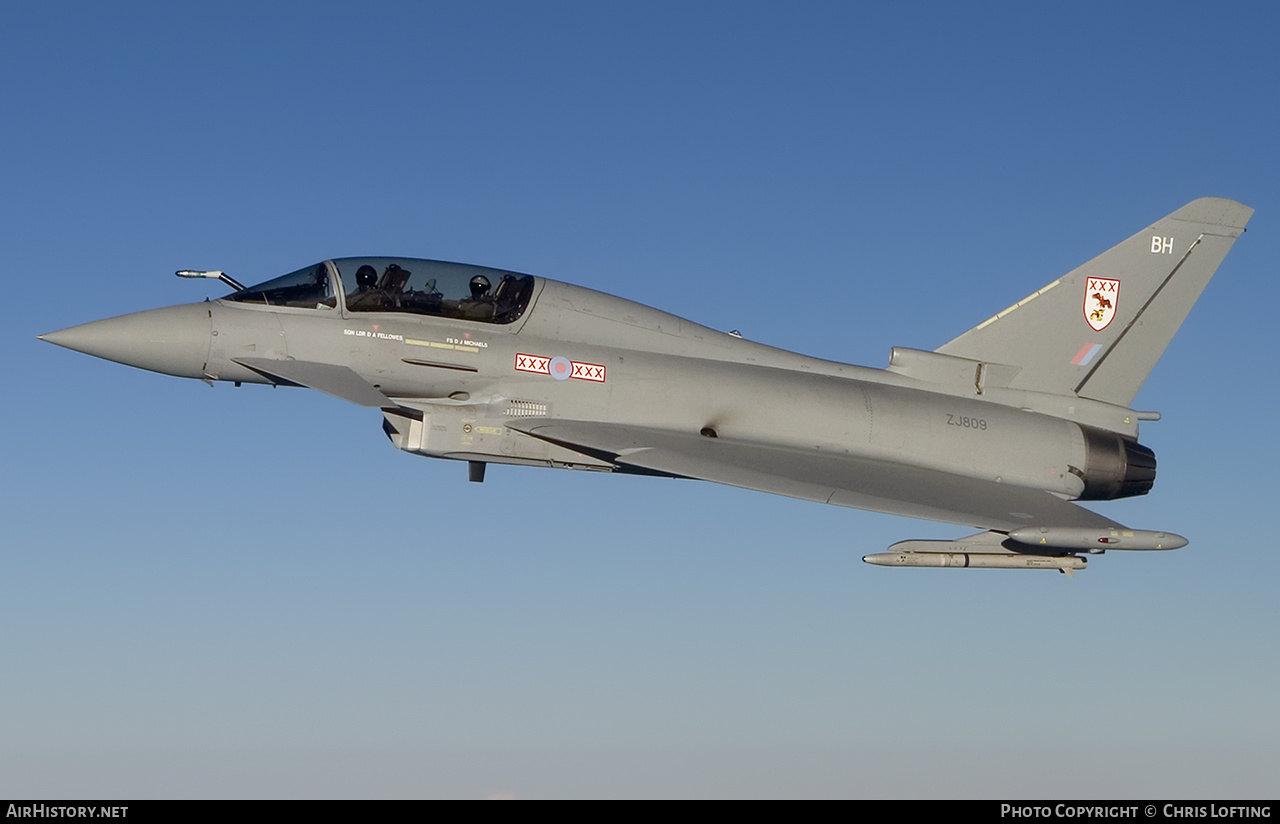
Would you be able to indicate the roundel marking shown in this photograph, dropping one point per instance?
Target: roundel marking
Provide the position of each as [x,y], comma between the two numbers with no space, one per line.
[561,368]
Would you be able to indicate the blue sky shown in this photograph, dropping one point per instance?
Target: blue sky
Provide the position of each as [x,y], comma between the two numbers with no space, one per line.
[249,593]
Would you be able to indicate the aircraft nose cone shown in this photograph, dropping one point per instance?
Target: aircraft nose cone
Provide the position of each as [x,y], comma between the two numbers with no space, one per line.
[174,340]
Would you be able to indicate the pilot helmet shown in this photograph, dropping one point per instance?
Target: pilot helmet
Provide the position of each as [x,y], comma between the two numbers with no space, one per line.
[367,276]
[479,286]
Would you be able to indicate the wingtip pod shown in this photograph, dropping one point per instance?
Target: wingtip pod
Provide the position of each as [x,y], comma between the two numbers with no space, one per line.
[1074,539]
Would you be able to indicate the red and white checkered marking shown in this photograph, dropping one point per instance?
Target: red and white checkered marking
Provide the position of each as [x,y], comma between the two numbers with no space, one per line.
[579,370]
[533,363]
[588,371]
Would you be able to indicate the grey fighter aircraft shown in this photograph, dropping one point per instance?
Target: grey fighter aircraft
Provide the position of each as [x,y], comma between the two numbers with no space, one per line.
[1001,429]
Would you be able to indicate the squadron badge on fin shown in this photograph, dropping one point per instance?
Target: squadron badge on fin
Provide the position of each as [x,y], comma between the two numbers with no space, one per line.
[1100,298]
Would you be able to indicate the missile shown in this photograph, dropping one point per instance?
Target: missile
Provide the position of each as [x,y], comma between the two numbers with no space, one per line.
[985,560]
[1076,539]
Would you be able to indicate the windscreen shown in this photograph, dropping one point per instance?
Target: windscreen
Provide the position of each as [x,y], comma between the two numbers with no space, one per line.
[307,288]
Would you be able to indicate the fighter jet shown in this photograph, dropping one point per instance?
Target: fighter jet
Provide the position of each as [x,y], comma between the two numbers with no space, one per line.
[1002,429]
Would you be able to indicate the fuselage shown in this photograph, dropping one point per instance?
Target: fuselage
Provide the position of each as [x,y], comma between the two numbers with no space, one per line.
[461,365]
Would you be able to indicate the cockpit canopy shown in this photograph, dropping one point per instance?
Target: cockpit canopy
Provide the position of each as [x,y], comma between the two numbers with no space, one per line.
[380,284]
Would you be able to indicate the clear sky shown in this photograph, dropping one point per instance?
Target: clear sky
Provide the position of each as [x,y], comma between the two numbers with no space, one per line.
[250,593]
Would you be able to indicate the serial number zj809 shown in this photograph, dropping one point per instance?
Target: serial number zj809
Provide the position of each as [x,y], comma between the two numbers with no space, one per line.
[965,422]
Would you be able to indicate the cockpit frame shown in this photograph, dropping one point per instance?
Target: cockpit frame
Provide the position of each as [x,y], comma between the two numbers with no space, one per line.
[393,288]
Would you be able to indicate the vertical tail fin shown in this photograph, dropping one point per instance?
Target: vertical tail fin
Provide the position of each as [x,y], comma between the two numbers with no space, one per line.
[1097,331]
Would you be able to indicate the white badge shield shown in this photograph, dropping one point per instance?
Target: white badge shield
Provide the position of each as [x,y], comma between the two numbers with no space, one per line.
[1101,296]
